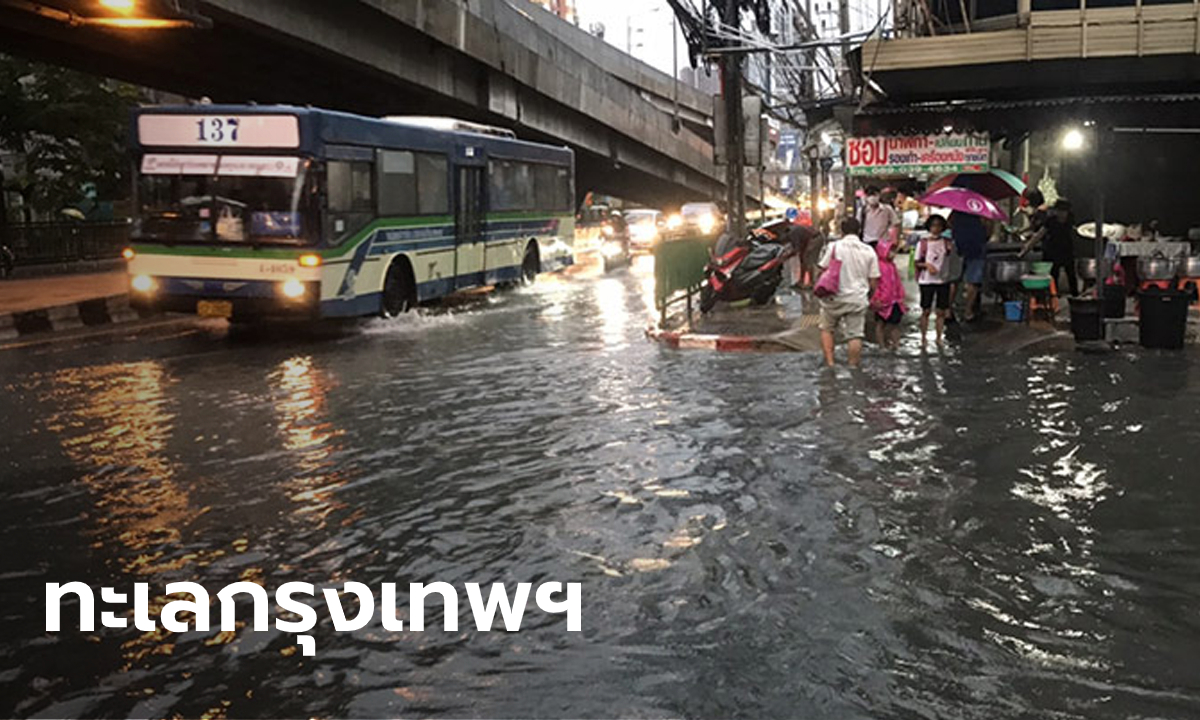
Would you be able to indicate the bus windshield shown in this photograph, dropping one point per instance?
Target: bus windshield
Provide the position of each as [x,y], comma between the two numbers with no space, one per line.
[228,208]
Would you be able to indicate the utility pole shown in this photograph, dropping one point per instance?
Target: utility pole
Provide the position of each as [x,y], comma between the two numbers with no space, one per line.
[847,183]
[731,91]
[675,68]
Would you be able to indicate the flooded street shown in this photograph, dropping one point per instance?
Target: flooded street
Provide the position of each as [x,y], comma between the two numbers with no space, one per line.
[957,536]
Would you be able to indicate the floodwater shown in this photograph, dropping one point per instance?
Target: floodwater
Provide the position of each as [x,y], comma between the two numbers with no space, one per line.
[943,536]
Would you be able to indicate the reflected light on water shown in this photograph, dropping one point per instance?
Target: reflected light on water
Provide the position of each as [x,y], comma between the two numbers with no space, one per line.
[128,425]
[301,391]
[613,314]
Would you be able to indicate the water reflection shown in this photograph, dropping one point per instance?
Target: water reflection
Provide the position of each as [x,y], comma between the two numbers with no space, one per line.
[116,421]
[300,391]
[939,536]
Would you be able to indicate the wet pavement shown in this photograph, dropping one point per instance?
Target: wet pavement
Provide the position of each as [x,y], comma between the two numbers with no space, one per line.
[955,535]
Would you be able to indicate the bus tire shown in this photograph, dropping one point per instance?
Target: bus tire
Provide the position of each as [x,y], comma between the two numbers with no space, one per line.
[399,289]
[531,265]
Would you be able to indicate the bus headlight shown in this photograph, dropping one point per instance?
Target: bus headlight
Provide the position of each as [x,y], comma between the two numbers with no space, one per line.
[292,289]
[142,283]
[128,254]
[310,260]
[707,223]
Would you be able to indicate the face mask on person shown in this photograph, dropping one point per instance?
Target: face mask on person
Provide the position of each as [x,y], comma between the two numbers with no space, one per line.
[873,201]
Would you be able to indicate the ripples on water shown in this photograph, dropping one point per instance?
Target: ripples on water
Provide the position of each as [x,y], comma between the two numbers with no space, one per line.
[943,537]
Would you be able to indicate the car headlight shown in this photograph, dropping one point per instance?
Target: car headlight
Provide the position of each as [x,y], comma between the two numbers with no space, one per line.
[610,249]
[143,283]
[675,222]
[292,289]
[706,223]
[645,234]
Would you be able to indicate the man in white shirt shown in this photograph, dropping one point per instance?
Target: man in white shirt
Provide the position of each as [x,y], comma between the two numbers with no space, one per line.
[856,285]
[880,221]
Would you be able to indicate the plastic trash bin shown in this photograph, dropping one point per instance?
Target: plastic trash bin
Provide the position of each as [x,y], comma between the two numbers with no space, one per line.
[1163,322]
[1014,311]
[1086,321]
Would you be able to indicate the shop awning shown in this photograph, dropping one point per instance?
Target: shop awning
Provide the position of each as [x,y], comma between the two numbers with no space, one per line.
[1009,118]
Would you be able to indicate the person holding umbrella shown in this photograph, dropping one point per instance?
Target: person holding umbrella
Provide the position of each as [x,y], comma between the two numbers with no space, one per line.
[970,240]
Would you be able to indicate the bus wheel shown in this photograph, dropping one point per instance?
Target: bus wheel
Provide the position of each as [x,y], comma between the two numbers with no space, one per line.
[531,265]
[399,290]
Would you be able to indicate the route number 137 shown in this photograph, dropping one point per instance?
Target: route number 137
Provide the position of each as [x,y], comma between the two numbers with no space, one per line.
[217,130]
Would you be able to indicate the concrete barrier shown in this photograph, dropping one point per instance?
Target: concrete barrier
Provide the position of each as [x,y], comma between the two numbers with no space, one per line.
[72,316]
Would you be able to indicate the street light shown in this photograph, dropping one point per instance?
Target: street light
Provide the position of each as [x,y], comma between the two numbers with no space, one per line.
[125,7]
[1073,140]
[121,14]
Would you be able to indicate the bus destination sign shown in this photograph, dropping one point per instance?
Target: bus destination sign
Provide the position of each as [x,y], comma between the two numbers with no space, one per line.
[211,131]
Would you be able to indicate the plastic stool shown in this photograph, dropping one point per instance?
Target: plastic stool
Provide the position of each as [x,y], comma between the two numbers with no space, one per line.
[1036,303]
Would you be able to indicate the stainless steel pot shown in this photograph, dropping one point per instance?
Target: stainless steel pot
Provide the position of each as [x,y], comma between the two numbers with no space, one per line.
[1087,269]
[1009,271]
[1157,267]
[1190,267]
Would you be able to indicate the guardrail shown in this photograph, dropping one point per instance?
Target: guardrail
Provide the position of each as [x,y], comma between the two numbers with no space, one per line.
[50,243]
[679,271]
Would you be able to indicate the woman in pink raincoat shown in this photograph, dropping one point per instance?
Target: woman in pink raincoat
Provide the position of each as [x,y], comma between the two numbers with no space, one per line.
[888,301]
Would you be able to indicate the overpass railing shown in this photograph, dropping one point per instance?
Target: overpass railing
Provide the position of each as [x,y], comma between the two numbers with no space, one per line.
[679,272]
[65,242]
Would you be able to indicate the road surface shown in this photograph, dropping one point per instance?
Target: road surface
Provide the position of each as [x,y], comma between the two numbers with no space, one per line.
[968,536]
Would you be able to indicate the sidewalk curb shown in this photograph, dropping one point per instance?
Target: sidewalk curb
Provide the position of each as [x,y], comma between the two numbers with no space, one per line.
[722,343]
[111,310]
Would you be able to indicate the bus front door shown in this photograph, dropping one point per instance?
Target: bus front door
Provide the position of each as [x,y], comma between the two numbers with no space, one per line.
[470,246]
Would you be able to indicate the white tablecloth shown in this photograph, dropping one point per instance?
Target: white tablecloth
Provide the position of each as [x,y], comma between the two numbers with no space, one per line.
[1146,249]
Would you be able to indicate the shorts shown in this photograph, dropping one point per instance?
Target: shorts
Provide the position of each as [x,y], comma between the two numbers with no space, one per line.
[973,270]
[941,292]
[851,316]
[895,317]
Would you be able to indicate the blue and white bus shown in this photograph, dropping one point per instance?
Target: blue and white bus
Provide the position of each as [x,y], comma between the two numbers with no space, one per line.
[275,211]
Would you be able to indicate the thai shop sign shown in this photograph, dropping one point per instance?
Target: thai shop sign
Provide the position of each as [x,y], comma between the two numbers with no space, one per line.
[935,154]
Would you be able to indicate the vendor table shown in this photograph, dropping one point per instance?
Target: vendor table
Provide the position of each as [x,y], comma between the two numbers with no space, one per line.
[1147,249]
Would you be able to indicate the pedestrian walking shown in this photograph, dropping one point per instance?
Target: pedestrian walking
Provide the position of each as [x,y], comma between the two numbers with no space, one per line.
[933,260]
[888,298]
[8,261]
[849,276]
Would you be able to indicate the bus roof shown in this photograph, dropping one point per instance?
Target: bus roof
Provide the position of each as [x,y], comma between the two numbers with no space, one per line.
[325,132]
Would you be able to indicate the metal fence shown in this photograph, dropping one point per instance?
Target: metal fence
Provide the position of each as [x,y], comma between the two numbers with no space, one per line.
[49,243]
[679,272]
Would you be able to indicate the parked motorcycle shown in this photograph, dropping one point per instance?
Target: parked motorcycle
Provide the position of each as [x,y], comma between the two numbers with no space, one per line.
[751,269]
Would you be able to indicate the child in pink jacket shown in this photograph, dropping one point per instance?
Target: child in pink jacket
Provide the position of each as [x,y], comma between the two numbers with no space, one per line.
[888,301]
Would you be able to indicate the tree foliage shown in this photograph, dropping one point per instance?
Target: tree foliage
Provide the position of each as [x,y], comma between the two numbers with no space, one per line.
[70,129]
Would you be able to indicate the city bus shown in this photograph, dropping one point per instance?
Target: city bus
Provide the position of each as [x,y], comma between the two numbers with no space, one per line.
[247,211]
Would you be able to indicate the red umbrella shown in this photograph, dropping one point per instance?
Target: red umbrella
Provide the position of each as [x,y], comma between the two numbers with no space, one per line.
[964,201]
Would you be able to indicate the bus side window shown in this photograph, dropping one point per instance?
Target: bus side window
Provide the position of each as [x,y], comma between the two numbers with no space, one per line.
[433,188]
[350,199]
[413,184]
[552,188]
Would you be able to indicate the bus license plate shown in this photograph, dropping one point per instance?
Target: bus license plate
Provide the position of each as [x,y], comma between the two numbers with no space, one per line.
[214,309]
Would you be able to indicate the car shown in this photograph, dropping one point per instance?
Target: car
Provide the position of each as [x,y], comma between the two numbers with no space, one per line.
[697,219]
[645,228]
